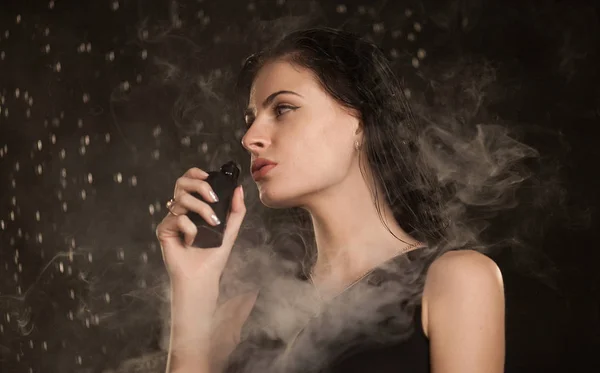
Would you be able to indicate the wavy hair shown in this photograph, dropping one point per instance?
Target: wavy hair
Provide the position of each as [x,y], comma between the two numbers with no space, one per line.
[443,178]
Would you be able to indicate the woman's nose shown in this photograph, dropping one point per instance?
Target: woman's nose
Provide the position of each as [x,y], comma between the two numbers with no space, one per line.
[254,142]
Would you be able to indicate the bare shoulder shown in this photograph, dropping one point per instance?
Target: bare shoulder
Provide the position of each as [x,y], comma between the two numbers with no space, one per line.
[459,275]
[463,265]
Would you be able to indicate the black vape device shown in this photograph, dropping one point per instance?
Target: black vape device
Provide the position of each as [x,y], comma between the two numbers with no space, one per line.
[223,182]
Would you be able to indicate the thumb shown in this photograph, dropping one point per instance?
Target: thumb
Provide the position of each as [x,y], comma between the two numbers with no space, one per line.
[235,218]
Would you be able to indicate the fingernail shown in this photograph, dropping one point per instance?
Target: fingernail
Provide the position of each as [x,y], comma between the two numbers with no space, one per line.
[242,188]
[215,219]
[213,196]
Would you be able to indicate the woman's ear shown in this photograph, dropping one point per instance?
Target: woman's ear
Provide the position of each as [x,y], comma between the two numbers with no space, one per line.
[359,135]
[359,127]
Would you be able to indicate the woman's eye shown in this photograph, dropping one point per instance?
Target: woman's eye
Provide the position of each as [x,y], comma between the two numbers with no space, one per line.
[279,110]
[282,109]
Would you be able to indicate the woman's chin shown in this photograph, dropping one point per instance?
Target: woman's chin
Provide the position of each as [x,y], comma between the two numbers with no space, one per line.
[275,201]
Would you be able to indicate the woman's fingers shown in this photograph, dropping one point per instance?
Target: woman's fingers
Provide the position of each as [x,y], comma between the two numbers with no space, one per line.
[192,203]
[196,173]
[188,228]
[168,231]
[189,185]
[236,216]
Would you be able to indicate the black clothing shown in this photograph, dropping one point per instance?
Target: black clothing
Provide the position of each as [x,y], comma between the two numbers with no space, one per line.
[373,326]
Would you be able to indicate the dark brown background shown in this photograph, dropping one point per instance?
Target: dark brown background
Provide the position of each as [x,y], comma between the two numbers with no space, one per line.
[100,307]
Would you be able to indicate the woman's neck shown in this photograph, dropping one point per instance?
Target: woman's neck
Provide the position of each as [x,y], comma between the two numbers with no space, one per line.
[350,236]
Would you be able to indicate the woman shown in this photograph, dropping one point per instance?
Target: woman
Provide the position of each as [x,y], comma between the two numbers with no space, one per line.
[330,131]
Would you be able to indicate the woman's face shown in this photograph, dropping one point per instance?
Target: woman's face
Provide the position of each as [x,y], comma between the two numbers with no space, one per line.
[295,123]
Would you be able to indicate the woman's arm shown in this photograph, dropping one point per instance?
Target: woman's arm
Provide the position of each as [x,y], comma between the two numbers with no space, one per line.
[193,305]
[203,336]
[229,320]
[464,304]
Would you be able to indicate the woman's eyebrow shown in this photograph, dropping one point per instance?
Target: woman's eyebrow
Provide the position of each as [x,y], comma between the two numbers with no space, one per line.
[269,100]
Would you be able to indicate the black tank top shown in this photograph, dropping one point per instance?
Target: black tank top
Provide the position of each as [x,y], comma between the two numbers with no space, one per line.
[378,331]
[410,355]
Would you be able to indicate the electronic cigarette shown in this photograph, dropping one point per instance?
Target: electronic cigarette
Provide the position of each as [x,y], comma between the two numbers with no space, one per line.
[223,183]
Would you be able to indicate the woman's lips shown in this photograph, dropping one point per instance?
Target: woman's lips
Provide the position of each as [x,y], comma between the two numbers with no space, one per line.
[262,172]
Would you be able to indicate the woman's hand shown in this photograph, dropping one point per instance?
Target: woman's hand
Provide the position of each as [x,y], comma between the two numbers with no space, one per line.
[195,274]
[184,262]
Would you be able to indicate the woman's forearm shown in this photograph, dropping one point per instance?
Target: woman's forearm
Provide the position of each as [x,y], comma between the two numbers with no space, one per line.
[192,310]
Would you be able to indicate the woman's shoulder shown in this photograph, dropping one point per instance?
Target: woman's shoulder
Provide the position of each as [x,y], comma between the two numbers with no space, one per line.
[457,265]
[458,275]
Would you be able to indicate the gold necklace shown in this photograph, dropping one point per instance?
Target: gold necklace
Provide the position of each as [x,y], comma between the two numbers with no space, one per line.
[400,252]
